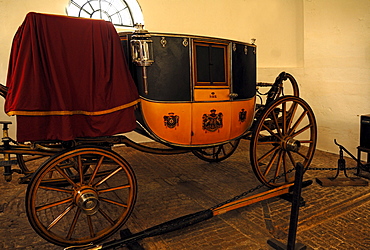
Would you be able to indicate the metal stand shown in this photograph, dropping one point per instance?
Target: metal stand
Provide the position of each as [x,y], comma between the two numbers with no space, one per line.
[293,225]
[343,181]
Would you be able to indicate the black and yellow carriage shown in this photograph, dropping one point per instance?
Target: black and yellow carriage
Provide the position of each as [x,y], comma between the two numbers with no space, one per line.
[190,93]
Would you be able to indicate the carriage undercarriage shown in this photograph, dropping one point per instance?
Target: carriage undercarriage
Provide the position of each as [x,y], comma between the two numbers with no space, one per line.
[85,184]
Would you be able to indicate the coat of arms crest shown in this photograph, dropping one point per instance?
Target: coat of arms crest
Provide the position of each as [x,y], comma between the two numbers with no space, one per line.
[171,120]
[212,122]
[242,115]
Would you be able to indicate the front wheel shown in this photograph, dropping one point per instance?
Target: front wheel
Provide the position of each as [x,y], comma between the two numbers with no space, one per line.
[283,135]
[80,196]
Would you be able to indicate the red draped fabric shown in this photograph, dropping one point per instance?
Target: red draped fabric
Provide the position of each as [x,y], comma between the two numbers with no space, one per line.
[68,78]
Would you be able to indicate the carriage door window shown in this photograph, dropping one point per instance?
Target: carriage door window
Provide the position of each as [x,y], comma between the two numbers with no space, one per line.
[210,71]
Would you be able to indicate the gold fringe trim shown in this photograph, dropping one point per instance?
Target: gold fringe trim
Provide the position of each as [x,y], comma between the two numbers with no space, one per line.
[74,112]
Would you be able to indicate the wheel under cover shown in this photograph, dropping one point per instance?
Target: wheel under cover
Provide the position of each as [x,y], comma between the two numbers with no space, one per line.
[81,195]
[285,134]
[217,153]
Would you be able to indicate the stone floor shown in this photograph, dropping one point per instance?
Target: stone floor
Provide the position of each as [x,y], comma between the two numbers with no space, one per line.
[175,185]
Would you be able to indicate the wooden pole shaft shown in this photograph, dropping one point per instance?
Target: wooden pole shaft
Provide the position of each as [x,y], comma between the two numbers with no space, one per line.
[252,199]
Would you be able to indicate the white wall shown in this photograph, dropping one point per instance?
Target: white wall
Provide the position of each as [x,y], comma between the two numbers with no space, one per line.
[324,44]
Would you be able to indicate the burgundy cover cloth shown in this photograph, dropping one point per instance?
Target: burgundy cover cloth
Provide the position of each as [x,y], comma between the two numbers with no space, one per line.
[68,78]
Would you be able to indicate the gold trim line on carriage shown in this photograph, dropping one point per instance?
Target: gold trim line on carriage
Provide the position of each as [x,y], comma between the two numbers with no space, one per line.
[73,112]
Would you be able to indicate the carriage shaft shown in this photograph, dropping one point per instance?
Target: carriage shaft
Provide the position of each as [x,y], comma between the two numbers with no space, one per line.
[253,199]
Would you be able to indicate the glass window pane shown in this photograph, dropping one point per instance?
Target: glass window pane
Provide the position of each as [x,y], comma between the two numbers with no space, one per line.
[119,12]
[218,64]
[73,10]
[202,54]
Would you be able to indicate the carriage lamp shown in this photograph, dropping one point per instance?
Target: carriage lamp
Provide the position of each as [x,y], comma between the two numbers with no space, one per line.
[142,51]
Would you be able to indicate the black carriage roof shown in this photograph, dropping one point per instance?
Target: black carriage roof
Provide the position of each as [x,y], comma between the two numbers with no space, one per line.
[200,37]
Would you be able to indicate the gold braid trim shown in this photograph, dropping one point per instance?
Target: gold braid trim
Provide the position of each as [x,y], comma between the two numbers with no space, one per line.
[73,112]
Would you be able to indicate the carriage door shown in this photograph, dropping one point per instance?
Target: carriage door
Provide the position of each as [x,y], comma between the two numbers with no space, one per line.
[211,91]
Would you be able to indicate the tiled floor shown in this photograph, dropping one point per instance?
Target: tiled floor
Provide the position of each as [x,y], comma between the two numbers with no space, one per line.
[170,186]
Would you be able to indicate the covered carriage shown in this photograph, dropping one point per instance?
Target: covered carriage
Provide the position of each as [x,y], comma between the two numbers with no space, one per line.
[191,93]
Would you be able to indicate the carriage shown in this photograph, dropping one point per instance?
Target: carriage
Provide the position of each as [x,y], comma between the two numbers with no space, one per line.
[196,94]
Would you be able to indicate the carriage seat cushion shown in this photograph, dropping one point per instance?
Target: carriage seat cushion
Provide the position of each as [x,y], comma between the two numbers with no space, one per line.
[68,78]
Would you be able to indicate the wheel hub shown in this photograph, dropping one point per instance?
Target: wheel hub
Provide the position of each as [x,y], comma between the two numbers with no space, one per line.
[87,199]
[291,144]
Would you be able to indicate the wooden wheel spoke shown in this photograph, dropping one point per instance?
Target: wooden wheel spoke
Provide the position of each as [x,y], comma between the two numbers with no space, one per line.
[108,176]
[65,176]
[305,141]
[97,167]
[59,217]
[278,165]
[267,154]
[113,202]
[100,191]
[296,124]
[268,168]
[271,132]
[285,166]
[74,222]
[106,216]
[302,130]
[50,205]
[291,114]
[291,158]
[63,190]
[80,171]
[306,157]
[276,123]
[91,228]
[266,142]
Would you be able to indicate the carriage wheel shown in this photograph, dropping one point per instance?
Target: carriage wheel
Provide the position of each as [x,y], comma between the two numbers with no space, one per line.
[284,135]
[217,153]
[80,196]
[289,89]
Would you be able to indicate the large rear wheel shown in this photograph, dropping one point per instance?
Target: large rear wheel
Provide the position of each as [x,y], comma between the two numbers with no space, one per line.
[80,196]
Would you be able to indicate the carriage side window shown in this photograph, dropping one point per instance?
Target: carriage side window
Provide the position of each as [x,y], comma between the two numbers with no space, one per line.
[210,64]
[125,13]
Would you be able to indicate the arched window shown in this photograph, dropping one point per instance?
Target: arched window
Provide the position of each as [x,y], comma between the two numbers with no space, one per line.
[120,12]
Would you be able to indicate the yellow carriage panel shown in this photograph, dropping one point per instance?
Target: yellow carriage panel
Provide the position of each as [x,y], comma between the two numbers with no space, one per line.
[199,123]
[211,94]
[242,116]
[170,122]
[211,122]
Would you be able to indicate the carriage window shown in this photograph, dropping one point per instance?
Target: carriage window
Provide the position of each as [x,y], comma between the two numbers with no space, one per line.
[120,12]
[210,64]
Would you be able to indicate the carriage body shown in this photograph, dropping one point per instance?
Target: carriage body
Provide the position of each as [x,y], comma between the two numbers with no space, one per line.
[200,90]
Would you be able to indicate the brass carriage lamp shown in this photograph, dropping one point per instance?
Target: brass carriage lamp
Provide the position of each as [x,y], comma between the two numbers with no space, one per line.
[142,51]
